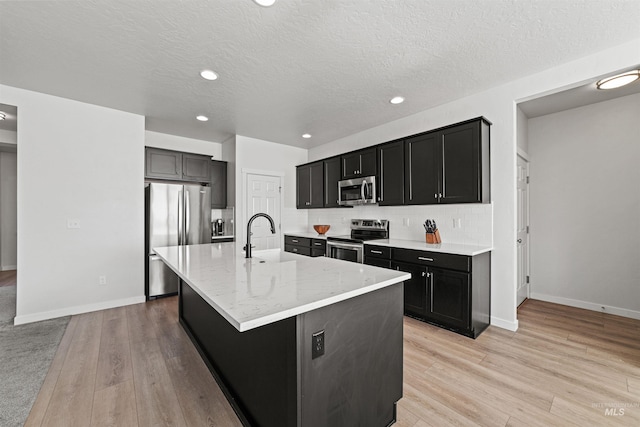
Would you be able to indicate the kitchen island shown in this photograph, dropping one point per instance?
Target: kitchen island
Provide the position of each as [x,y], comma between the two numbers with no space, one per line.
[294,341]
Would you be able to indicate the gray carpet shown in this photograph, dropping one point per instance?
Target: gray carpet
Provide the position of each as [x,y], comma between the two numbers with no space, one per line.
[26,352]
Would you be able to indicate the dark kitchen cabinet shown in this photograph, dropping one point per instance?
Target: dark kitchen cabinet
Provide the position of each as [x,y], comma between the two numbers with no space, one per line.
[162,164]
[305,246]
[456,289]
[415,289]
[391,167]
[195,167]
[450,165]
[218,184]
[310,185]
[359,163]
[175,165]
[379,256]
[331,177]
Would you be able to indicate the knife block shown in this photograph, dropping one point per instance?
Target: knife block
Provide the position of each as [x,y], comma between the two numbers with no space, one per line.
[433,238]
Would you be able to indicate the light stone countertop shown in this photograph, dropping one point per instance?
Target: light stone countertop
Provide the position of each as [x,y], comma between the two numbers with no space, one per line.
[273,285]
[310,234]
[448,248]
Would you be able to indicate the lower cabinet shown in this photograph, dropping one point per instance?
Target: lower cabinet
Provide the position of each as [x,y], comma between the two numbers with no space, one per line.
[447,290]
[305,246]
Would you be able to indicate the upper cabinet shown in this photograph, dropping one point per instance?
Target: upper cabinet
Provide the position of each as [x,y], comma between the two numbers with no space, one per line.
[175,165]
[310,185]
[331,177]
[218,184]
[391,181]
[450,165]
[359,163]
[446,165]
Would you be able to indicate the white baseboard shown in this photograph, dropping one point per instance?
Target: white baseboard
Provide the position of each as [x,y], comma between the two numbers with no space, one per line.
[504,324]
[624,312]
[8,267]
[69,311]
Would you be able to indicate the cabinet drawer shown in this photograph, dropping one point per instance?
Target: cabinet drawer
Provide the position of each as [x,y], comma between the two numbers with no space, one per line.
[377,252]
[315,252]
[433,259]
[300,250]
[300,241]
[377,262]
[319,245]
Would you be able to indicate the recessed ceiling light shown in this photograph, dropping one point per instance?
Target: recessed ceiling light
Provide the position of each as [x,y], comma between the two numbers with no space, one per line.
[264,3]
[208,75]
[2,115]
[306,135]
[619,80]
[202,118]
[397,100]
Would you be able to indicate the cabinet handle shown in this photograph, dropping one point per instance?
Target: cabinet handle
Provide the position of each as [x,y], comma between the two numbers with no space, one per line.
[435,196]
[318,244]
[294,240]
[376,252]
[421,258]
[440,195]
[424,273]
[295,249]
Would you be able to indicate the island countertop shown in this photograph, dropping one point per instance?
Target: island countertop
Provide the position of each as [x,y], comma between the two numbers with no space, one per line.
[273,285]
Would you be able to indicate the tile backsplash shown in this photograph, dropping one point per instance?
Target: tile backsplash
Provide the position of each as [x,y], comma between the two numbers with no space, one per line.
[467,224]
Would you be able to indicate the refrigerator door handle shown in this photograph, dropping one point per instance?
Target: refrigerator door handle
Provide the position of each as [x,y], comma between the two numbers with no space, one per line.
[187,216]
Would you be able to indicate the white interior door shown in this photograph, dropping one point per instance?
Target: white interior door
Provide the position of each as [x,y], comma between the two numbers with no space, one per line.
[523,230]
[263,195]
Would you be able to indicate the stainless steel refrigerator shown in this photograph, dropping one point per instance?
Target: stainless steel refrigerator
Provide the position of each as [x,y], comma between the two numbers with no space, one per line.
[174,215]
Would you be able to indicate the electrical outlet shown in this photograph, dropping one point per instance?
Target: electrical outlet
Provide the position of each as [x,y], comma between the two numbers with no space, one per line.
[317,344]
[459,222]
[406,222]
[73,223]
[102,280]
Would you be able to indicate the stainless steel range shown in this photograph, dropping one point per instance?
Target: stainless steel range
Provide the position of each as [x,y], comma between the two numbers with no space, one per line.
[351,247]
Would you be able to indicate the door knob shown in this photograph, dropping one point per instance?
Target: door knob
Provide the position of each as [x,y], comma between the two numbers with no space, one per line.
[519,240]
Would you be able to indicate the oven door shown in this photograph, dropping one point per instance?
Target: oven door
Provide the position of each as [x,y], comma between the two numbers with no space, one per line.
[346,251]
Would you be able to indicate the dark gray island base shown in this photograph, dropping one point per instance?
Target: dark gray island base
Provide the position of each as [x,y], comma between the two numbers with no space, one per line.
[270,378]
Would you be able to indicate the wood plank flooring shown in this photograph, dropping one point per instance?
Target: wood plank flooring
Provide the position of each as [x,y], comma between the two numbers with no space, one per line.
[135,366]
[8,278]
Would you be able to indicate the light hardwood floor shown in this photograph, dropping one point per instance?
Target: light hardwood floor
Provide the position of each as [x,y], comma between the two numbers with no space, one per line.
[135,366]
[8,278]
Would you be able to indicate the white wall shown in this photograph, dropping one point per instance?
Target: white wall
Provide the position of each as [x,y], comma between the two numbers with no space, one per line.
[179,143]
[8,211]
[257,154]
[585,206]
[84,163]
[499,106]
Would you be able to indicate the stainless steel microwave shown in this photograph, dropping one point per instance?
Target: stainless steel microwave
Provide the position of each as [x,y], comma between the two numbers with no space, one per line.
[357,191]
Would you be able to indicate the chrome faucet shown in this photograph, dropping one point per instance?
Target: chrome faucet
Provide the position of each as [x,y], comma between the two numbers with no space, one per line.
[247,248]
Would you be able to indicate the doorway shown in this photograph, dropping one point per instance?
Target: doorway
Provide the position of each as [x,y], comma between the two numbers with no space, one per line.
[522,236]
[8,211]
[263,194]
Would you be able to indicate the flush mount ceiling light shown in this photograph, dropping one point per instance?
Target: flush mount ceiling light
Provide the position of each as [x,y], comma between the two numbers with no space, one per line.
[306,135]
[397,100]
[208,75]
[619,80]
[264,3]
[202,118]
[2,115]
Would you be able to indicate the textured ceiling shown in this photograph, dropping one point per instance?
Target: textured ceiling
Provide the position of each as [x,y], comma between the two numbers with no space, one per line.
[323,67]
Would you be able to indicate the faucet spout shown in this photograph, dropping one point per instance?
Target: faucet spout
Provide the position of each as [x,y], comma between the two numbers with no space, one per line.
[247,248]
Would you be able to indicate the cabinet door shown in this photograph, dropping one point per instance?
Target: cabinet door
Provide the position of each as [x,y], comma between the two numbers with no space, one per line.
[195,167]
[461,164]
[331,178]
[351,165]
[377,262]
[415,289]
[163,164]
[218,184]
[317,185]
[449,297]
[391,185]
[368,162]
[303,187]
[422,168]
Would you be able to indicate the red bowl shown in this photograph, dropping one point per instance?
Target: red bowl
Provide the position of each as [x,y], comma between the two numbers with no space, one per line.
[321,229]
